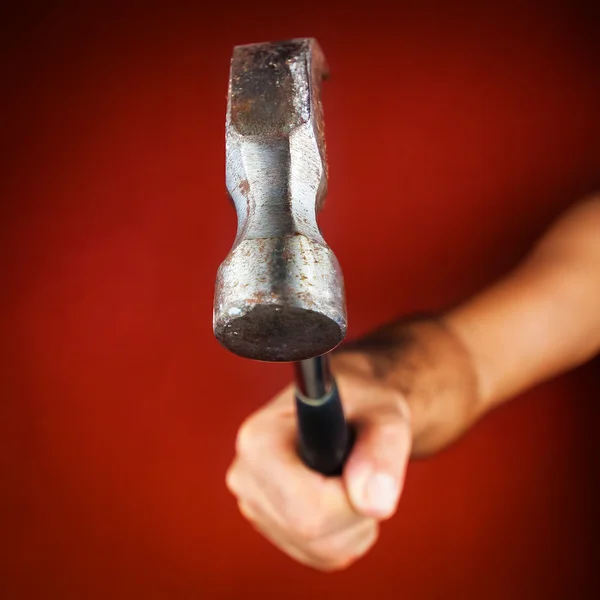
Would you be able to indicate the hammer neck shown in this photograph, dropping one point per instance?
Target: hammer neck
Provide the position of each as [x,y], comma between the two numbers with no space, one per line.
[313,377]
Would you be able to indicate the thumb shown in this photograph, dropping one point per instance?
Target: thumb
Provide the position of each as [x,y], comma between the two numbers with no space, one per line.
[374,473]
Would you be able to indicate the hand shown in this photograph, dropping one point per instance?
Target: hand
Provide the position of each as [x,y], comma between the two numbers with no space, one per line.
[325,523]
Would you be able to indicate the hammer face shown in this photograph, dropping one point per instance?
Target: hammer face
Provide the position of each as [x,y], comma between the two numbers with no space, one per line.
[279,293]
[280,299]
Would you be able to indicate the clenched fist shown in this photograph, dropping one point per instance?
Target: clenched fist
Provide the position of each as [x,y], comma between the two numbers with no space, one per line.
[325,523]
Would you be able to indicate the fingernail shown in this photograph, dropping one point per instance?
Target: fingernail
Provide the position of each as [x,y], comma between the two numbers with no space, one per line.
[382,493]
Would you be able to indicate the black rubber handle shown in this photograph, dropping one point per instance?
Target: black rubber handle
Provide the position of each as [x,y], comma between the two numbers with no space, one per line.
[324,437]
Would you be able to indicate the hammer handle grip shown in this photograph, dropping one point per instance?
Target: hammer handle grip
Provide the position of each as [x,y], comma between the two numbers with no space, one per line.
[325,438]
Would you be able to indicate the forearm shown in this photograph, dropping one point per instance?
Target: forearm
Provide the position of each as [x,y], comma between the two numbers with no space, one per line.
[540,320]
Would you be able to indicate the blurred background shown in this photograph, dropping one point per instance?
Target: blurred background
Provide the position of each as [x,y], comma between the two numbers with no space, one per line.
[456,133]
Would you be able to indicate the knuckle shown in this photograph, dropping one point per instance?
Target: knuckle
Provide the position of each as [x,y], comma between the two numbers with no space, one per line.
[247,511]
[329,551]
[338,563]
[368,542]
[306,526]
[232,480]
[245,441]
[336,553]
[400,406]
[333,567]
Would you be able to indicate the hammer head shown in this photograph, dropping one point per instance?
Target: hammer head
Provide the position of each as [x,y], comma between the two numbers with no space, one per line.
[279,293]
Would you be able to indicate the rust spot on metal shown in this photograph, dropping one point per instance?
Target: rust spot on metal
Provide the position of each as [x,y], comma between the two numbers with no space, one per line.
[241,107]
[286,255]
[307,299]
[262,298]
[244,187]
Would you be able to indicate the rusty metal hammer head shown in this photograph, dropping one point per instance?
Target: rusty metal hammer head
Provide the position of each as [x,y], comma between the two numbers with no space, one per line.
[279,293]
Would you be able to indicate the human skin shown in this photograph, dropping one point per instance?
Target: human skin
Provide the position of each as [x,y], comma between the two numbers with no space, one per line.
[415,386]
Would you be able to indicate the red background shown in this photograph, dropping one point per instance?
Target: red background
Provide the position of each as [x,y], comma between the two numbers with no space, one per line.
[456,134]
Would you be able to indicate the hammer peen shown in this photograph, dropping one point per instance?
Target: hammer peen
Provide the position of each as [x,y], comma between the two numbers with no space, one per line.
[279,293]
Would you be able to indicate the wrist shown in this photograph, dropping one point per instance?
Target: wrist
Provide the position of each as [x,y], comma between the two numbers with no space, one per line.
[423,359]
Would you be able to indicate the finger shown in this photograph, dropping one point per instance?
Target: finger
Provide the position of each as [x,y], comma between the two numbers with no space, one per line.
[341,549]
[336,550]
[312,505]
[273,534]
[248,491]
[375,471]
[331,553]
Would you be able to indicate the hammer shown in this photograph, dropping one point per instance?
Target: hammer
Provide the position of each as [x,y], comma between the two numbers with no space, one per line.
[279,293]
